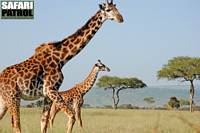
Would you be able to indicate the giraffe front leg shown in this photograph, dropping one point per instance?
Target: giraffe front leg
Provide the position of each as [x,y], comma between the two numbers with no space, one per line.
[78,116]
[54,95]
[51,86]
[52,83]
[45,114]
[70,123]
[54,110]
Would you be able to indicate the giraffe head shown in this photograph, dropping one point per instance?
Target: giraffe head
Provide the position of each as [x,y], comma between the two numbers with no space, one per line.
[101,67]
[110,11]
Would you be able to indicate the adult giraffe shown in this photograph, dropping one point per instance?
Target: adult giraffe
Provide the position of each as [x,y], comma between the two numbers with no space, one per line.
[41,75]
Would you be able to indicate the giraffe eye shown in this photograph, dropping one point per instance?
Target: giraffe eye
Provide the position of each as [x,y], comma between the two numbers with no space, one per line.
[108,10]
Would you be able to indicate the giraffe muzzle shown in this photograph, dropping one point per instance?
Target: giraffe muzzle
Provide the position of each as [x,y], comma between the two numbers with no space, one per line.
[120,19]
[107,69]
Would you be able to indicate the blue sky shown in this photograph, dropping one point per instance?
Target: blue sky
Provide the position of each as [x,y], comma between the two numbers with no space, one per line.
[153,32]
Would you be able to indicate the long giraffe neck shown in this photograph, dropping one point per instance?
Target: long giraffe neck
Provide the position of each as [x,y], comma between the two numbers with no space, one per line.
[87,84]
[72,45]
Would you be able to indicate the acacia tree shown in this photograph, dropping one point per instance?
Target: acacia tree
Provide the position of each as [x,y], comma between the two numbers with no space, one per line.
[117,84]
[149,100]
[185,69]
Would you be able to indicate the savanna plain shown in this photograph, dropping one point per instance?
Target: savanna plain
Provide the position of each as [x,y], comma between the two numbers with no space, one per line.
[113,121]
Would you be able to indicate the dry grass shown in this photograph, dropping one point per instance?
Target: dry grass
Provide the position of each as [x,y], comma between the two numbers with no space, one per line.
[114,121]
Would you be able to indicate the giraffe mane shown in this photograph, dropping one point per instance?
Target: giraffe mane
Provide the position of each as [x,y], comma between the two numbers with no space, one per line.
[43,47]
[77,33]
[58,44]
[40,48]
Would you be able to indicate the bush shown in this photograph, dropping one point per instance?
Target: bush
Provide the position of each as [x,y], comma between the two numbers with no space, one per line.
[31,105]
[174,103]
[86,106]
[184,102]
[107,107]
[126,106]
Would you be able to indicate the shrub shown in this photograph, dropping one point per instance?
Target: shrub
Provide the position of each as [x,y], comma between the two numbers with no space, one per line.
[126,106]
[174,103]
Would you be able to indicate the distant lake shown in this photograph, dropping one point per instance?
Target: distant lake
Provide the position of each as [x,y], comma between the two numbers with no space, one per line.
[100,97]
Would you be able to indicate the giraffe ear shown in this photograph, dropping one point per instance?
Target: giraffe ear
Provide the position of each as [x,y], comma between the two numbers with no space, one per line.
[101,7]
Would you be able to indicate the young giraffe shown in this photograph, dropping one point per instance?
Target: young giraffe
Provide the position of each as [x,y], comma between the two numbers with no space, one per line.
[41,75]
[74,97]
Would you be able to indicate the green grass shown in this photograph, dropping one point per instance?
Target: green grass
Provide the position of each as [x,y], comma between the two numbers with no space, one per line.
[113,121]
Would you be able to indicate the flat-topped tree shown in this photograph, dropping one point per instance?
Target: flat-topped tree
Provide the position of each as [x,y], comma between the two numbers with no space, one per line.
[117,84]
[185,69]
[149,100]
